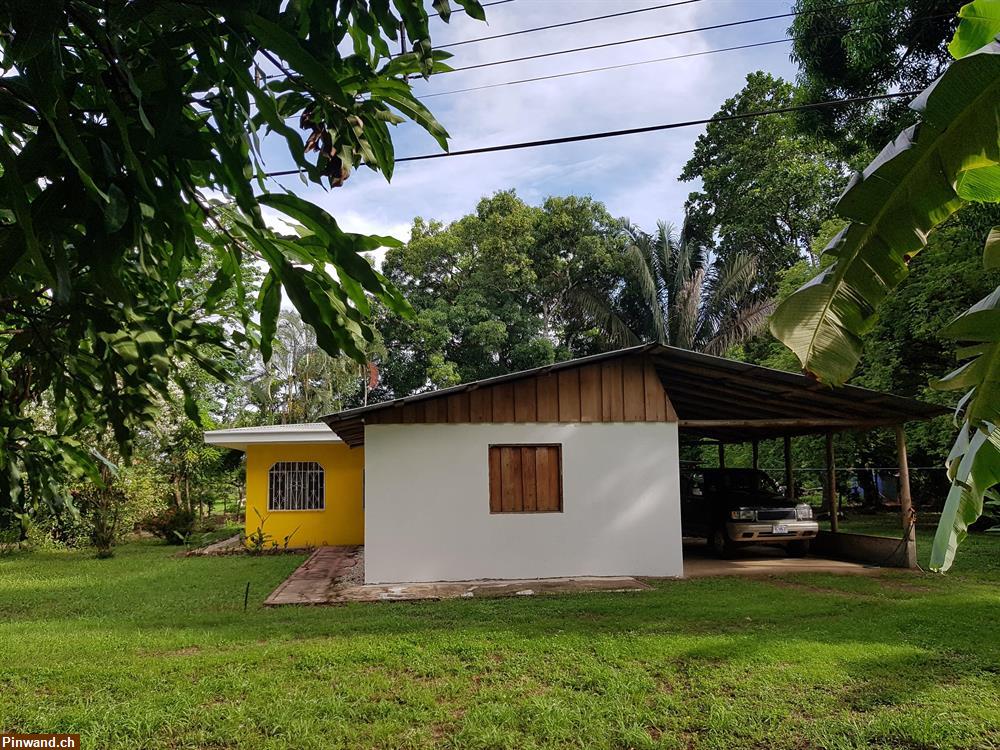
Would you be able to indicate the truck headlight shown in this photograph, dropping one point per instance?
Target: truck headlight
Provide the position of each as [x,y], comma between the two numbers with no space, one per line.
[803,512]
[743,514]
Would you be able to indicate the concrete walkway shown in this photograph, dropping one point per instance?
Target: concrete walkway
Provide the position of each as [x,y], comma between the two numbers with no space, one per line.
[330,576]
[399,592]
[227,546]
[312,582]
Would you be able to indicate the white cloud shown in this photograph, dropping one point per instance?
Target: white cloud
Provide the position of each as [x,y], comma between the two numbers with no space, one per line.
[634,175]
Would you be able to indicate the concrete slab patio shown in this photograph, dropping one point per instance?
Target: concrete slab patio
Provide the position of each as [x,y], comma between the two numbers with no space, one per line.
[762,560]
[333,575]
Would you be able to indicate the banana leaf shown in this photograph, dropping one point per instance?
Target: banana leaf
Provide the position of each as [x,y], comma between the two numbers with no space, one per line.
[980,22]
[920,179]
[974,467]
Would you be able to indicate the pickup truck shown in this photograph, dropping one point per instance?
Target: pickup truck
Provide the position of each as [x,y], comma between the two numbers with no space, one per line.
[735,507]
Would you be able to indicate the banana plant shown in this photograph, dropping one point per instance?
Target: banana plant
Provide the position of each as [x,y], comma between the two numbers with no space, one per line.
[949,158]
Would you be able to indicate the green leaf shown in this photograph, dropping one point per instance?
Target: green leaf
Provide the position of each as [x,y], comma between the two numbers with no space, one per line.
[116,210]
[315,73]
[979,24]
[22,210]
[398,95]
[344,248]
[35,23]
[981,322]
[443,9]
[991,253]
[474,8]
[974,465]
[269,305]
[917,181]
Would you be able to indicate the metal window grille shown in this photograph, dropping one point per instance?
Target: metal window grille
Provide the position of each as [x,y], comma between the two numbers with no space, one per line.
[295,485]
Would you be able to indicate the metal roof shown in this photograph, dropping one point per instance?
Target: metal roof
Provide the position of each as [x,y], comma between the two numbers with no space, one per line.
[240,437]
[718,398]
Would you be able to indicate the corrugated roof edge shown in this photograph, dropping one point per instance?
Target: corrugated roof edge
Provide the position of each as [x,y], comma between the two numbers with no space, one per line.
[914,406]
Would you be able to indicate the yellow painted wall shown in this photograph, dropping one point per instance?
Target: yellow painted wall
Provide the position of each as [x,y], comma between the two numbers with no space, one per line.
[343,519]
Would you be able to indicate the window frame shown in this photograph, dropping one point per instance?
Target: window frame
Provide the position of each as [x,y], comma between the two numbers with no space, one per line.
[314,466]
[490,479]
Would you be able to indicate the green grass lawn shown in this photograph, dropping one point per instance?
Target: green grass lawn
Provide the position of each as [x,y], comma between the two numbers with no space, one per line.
[149,650]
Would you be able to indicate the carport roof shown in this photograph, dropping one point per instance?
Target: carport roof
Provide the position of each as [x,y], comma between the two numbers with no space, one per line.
[716,398]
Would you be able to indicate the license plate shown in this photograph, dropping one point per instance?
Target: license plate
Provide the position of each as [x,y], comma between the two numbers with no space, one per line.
[779,529]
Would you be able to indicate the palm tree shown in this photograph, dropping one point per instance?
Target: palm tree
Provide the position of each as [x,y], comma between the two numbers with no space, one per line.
[674,293]
[302,382]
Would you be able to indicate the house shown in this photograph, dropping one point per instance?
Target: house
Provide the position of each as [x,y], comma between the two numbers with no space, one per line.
[570,469]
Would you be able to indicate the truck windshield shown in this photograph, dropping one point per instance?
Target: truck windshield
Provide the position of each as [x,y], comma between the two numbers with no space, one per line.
[740,482]
[750,481]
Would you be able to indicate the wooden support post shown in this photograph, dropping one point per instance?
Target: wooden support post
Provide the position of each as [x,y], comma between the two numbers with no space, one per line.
[722,455]
[789,480]
[831,483]
[756,453]
[905,499]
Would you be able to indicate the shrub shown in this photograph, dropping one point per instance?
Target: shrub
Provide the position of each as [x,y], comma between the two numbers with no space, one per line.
[259,542]
[174,525]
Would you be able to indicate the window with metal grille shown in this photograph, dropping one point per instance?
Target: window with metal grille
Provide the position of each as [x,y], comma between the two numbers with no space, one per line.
[295,485]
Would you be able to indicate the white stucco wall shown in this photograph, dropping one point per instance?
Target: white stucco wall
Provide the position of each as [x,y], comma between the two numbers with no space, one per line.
[427,514]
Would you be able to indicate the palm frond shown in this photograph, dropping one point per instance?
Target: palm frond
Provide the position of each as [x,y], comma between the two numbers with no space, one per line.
[598,309]
[750,321]
[686,310]
[731,279]
[650,284]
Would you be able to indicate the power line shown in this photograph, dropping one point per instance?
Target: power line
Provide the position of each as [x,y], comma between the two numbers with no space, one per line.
[605,67]
[604,45]
[633,131]
[682,32]
[637,63]
[568,23]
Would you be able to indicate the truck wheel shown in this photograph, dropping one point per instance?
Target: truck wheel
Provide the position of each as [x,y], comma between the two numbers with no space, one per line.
[721,545]
[799,548]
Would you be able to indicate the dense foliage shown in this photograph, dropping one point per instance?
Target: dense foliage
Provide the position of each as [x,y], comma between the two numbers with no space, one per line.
[121,125]
[766,188]
[494,291]
[949,159]
[849,49]
[144,307]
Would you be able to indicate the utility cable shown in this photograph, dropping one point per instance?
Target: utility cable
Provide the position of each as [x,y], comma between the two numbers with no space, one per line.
[564,24]
[681,32]
[665,35]
[634,131]
[686,55]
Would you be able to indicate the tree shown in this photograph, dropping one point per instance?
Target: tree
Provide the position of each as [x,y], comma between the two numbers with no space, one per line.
[765,187]
[950,158]
[120,124]
[491,290]
[673,293]
[867,49]
[301,382]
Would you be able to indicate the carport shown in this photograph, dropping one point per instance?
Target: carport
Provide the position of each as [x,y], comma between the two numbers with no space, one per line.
[724,402]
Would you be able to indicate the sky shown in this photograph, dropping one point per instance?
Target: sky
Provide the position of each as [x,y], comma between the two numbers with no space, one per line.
[634,176]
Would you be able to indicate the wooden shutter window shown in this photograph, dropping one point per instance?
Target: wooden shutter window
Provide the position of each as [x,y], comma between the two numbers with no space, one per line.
[526,478]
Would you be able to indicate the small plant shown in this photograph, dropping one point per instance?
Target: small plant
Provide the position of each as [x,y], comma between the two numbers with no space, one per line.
[103,508]
[174,525]
[9,540]
[261,543]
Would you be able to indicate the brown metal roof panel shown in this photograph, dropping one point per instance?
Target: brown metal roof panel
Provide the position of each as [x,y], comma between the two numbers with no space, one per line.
[792,393]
